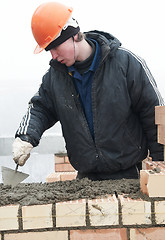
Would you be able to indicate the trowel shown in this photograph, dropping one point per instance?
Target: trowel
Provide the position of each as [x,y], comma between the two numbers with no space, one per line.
[12,177]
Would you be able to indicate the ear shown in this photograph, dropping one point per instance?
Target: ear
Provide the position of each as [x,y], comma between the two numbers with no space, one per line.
[75,37]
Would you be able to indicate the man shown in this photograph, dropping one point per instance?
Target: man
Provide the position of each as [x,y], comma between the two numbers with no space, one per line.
[103,95]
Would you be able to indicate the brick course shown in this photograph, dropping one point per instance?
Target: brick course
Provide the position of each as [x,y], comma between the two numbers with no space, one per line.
[61,176]
[96,219]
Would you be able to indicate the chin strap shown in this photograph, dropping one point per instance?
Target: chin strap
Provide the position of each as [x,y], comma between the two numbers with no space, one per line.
[74,48]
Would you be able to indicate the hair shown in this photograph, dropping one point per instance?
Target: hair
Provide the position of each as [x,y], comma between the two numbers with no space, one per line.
[80,37]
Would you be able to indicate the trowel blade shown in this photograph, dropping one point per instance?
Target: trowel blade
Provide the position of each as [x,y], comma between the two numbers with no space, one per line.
[12,177]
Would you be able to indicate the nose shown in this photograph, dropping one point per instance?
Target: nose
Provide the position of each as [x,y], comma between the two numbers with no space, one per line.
[53,53]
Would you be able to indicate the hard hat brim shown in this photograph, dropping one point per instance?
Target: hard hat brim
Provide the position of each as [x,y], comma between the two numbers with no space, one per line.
[38,49]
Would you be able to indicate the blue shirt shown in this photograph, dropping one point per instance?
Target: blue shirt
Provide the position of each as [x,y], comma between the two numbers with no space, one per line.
[83,85]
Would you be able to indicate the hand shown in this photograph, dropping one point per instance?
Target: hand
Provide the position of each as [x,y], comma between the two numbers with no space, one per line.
[21,151]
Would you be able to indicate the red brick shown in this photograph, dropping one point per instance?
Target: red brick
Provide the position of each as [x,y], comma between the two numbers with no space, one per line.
[153,165]
[59,158]
[9,217]
[55,235]
[159,212]
[161,134]
[71,213]
[162,165]
[135,211]
[66,159]
[143,181]
[37,216]
[151,183]
[99,234]
[103,211]
[53,177]
[147,161]
[160,115]
[155,186]
[149,165]
[64,167]
[147,233]
[64,176]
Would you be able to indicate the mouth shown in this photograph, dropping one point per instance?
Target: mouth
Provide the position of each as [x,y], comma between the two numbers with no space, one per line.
[61,61]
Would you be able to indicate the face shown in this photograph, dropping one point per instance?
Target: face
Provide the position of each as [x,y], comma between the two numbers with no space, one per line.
[65,52]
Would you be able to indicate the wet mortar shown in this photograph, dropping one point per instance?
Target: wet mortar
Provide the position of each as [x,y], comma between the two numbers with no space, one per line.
[45,193]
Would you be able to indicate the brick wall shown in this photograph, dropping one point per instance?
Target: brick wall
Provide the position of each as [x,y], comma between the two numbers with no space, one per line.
[116,218]
[63,169]
[110,217]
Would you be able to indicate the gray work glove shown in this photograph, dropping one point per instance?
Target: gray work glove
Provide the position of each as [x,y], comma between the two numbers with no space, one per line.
[21,151]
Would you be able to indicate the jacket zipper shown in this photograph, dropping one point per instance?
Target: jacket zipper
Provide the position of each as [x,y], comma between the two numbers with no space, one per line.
[79,108]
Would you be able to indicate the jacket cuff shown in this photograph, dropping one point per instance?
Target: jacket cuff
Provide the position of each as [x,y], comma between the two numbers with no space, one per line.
[27,138]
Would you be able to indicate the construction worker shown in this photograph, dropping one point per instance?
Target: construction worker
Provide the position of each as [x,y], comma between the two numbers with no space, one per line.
[103,95]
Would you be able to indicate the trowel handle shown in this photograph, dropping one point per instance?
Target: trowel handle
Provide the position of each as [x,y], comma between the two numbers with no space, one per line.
[16,167]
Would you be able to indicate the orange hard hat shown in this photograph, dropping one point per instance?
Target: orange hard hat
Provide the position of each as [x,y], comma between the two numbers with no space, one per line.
[47,22]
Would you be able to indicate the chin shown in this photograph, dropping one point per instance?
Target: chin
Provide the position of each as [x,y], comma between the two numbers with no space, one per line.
[68,64]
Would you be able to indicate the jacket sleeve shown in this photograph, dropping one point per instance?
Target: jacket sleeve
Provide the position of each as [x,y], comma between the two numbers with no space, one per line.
[144,97]
[40,115]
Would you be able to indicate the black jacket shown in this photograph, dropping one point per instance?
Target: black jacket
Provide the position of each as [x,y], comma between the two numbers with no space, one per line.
[124,96]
